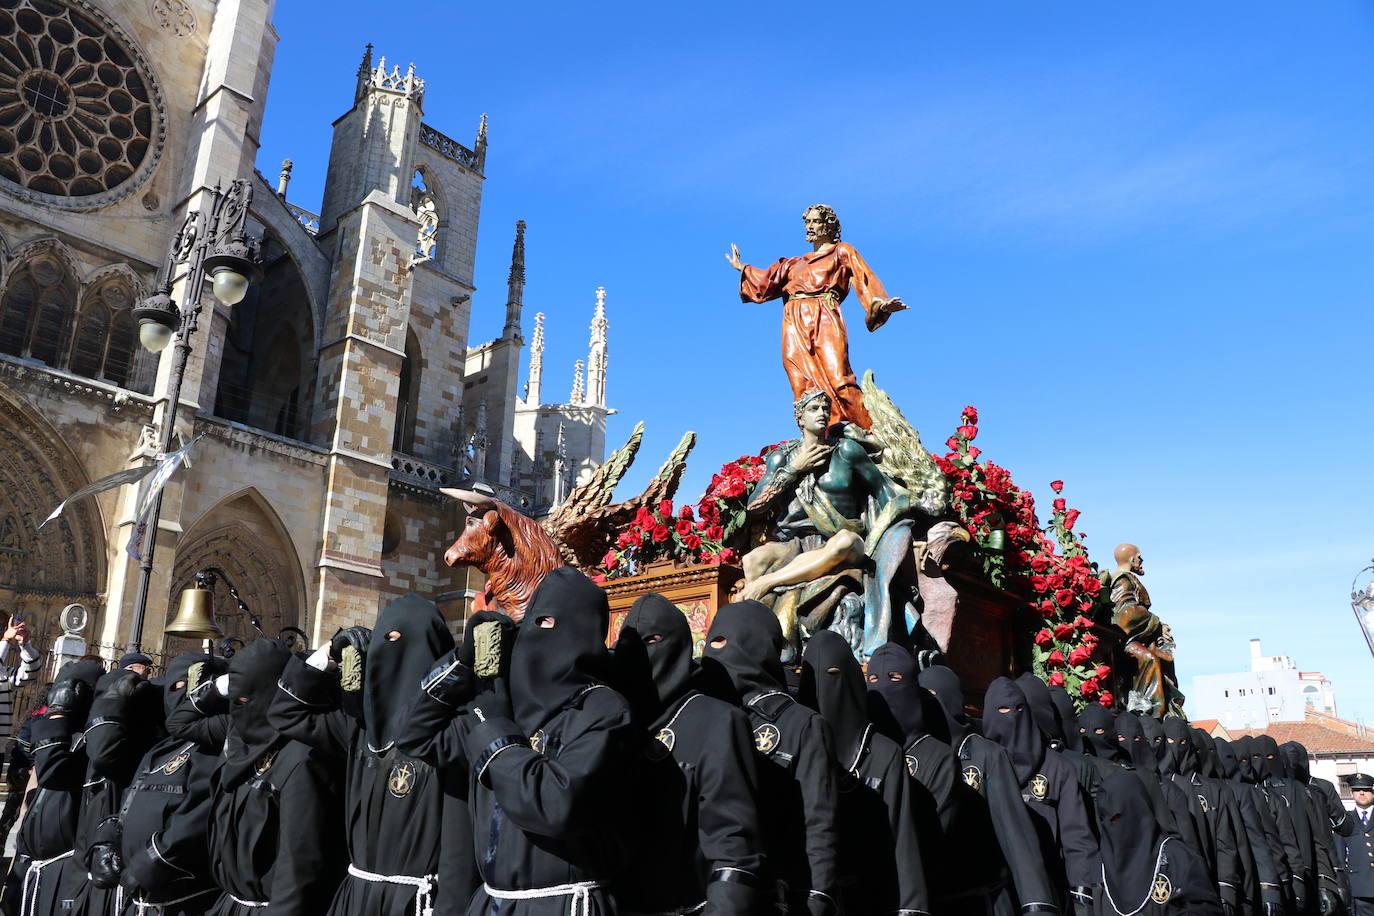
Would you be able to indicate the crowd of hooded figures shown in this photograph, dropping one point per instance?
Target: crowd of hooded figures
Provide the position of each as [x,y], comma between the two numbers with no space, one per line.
[382,775]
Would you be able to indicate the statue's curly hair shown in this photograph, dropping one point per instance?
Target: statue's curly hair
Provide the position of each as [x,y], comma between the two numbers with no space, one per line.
[828,214]
[807,397]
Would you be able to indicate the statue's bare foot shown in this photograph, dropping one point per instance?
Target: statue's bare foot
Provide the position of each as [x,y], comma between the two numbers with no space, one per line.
[755,590]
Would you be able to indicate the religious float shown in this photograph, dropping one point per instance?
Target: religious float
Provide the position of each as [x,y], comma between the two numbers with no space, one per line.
[853,526]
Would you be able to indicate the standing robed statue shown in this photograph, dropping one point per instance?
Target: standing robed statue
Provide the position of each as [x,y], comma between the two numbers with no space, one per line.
[815,342]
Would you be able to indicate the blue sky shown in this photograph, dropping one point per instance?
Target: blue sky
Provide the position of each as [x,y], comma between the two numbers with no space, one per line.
[1136,237]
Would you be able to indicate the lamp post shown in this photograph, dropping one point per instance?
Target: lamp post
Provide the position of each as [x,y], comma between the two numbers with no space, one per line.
[213,240]
[1362,603]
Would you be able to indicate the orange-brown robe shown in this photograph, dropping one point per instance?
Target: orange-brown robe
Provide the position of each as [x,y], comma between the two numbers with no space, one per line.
[815,343]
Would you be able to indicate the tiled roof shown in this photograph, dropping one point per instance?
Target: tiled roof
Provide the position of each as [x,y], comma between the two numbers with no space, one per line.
[1319,734]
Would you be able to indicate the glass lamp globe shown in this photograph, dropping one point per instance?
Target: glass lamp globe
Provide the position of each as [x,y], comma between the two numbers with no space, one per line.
[229,286]
[154,336]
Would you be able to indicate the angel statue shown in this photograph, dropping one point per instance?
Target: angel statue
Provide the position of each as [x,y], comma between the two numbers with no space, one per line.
[844,507]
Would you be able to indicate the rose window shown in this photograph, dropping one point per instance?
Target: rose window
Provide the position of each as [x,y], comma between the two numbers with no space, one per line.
[80,112]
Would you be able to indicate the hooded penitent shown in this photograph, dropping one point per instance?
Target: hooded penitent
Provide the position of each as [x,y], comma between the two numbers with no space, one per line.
[1042,707]
[894,697]
[944,684]
[1294,757]
[1179,756]
[253,675]
[1007,719]
[1228,762]
[1244,748]
[652,665]
[746,663]
[561,649]
[179,672]
[88,673]
[1098,728]
[395,666]
[837,687]
[1129,839]
[1153,730]
[1130,737]
[1270,761]
[1208,763]
[1063,705]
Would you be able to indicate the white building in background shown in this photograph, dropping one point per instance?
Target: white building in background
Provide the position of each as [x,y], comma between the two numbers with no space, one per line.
[1273,690]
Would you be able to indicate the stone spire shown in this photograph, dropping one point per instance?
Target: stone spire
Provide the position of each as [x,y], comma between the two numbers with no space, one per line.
[561,478]
[364,73]
[479,442]
[579,391]
[479,146]
[515,285]
[284,177]
[596,356]
[532,392]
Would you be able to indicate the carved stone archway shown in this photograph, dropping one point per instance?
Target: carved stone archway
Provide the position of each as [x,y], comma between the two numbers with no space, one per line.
[243,537]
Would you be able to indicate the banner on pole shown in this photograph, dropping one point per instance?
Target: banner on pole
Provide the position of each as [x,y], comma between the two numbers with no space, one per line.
[117,479]
[166,466]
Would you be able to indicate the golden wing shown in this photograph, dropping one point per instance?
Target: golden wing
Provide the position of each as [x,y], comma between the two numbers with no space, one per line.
[904,458]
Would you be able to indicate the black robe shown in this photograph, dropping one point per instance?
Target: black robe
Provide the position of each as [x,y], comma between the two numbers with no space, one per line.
[1266,867]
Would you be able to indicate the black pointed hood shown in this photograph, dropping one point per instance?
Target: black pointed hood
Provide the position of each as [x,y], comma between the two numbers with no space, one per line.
[1098,728]
[1294,757]
[1208,764]
[87,672]
[652,664]
[1063,705]
[1007,719]
[551,665]
[1179,757]
[1270,762]
[740,660]
[1153,730]
[393,669]
[1130,738]
[835,689]
[253,674]
[1130,838]
[949,694]
[1228,761]
[895,705]
[1042,708]
[179,672]
[1246,765]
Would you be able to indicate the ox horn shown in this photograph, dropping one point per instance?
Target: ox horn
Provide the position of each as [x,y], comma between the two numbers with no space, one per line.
[471,499]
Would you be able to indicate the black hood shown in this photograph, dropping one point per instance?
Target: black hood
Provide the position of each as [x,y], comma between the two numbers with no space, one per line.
[179,672]
[652,665]
[393,669]
[949,694]
[551,665]
[143,715]
[1042,708]
[1007,719]
[833,685]
[89,673]
[1247,760]
[1207,763]
[746,664]
[1153,730]
[1130,739]
[253,674]
[1097,725]
[1063,705]
[895,705]
[1228,761]
[1179,756]
[1270,763]
[1130,837]
[1294,757]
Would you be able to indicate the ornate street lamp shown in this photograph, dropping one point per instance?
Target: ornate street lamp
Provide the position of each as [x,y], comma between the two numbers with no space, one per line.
[212,241]
[1362,603]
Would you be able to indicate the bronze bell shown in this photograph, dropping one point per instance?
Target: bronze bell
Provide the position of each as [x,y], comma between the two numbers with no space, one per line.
[195,616]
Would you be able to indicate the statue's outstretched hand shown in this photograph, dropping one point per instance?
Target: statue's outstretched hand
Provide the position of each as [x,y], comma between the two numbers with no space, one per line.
[733,257]
[881,310]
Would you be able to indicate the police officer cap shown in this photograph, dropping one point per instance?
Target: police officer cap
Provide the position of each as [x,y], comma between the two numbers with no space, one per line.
[1360,781]
[134,658]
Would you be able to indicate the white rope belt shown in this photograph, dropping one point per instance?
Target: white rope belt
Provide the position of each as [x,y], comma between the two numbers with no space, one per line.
[579,905]
[33,879]
[144,906]
[424,887]
[252,903]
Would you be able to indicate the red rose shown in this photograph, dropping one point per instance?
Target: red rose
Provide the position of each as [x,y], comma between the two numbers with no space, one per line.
[967,432]
[1071,518]
[727,555]
[1082,623]
[1056,659]
[1040,563]
[1043,639]
[1080,655]
[1059,504]
[683,527]
[732,488]
[644,518]
[709,557]
[1064,597]
[691,542]
[1103,670]
[599,579]
[1056,679]
[1088,688]
[611,560]
[624,540]
[684,512]
[1047,608]
[1057,486]
[952,444]
[715,533]
[1063,631]
[970,414]
[1092,585]
[660,534]
[1106,699]
[1039,584]
[945,467]
[665,508]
